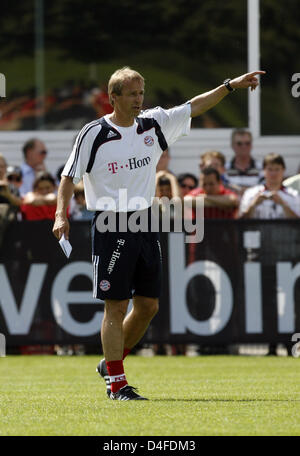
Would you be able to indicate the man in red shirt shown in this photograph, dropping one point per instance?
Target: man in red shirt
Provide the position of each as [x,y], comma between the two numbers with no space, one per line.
[219,202]
[40,204]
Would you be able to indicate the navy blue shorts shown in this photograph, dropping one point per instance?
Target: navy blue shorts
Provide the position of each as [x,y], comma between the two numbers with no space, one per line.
[125,263]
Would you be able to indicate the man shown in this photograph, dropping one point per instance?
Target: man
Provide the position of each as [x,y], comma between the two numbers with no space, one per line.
[14,177]
[7,193]
[215,159]
[271,200]
[40,204]
[243,170]
[121,151]
[35,153]
[219,202]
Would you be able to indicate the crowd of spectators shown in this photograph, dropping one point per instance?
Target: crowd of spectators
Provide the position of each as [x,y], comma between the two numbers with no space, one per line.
[29,191]
[242,187]
[68,107]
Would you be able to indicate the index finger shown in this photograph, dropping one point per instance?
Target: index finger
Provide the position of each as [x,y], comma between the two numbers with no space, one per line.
[257,72]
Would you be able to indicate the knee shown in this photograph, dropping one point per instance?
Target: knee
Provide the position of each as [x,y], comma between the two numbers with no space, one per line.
[154,306]
[149,307]
[116,310]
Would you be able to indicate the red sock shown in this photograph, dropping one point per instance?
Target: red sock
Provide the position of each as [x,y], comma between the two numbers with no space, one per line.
[117,376]
[125,353]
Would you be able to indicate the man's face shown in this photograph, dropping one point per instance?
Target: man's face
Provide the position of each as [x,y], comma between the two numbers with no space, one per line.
[165,190]
[242,145]
[274,174]
[44,187]
[37,154]
[130,102]
[210,184]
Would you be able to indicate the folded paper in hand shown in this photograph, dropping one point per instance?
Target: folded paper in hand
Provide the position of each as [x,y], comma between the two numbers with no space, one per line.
[65,245]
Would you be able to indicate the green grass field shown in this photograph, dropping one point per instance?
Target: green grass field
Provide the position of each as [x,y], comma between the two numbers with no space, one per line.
[214,395]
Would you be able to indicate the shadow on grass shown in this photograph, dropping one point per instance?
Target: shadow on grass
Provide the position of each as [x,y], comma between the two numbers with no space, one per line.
[224,400]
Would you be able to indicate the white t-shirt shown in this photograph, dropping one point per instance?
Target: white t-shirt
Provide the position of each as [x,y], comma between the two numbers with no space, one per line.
[293,182]
[248,178]
[126,159]
[268,209]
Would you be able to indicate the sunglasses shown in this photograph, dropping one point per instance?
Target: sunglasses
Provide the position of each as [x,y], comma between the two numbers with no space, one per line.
[14,178]
[191,187]
[43,152]
[241,143]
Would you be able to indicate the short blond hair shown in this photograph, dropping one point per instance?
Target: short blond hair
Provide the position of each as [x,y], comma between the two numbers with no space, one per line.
[208,155]
[118,78]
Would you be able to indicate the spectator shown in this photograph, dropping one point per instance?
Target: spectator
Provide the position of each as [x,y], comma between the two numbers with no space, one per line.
[166,186]
[78,210]
[187,182]
[219,202]
[7,195]
[271,200]
[243,170]
[35,153]
[40,204]
[215,159]
[15,179]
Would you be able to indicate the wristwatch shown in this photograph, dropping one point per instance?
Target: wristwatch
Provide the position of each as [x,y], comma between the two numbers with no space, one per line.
[228,86]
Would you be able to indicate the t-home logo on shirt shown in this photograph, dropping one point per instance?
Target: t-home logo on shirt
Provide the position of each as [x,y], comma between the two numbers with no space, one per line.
[132,163]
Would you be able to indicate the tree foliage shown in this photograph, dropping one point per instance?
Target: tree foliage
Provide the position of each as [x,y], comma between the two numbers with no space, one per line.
[202,30]
[92,30]
[105,30]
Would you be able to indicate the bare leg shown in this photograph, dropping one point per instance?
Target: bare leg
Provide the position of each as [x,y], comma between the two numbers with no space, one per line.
[112,333]
[138,320]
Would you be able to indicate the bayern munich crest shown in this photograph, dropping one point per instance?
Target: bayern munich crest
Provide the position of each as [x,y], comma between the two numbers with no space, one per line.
[104,285]
[149,141]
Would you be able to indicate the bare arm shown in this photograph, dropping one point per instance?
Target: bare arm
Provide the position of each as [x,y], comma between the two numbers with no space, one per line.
[220,201]
[65,192]
[248,213]
[287,210]
[13,200]
[39,200]
[208,100]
